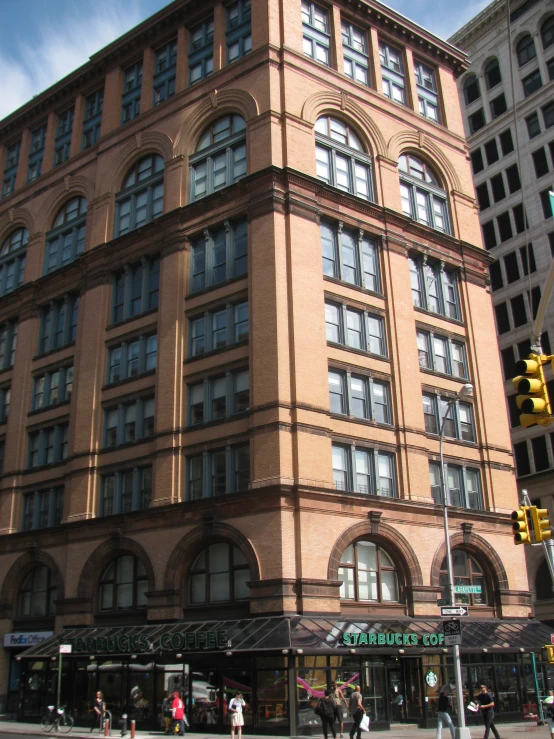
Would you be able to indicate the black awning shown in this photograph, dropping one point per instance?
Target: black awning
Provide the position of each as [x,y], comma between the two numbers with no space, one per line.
[277,633]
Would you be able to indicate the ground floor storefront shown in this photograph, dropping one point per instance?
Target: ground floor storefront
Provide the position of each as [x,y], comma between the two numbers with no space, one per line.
[282,666]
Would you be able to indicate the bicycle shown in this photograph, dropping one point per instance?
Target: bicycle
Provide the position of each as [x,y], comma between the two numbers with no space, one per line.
[57,719]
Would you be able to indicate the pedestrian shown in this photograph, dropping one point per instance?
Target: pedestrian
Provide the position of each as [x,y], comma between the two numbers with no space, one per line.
[166,712]
[98,711]
[178,714]
[236,711]
[486,702]
[443,713]
[548,710]
[325,709]
[338,700]
[357,712]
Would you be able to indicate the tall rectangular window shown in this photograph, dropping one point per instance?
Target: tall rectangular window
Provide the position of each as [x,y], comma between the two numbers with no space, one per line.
[218,472]
[92,118]
[463,486]
[130,100]
[165,70]
[350,256]
[8,343]
[42,509]
[392,71]
[221,254]
[315,27]
[458,424]
[10,169]
[58,323]
[239,30]
[434,288]
[354,49]
[364,470]
[201,51]
[63,137]
[36,153]
[427,94]
[47,446]
[136,289]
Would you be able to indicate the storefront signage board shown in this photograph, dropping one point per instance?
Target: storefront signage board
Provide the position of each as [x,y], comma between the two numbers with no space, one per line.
[131,644]
[25,639]
[433,639]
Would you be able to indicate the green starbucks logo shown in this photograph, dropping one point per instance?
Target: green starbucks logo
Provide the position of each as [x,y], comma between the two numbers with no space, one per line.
[431,678]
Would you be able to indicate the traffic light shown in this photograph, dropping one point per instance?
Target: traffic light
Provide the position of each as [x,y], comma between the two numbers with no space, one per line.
[541,524]
[548,654]
[520,526]
[533,400]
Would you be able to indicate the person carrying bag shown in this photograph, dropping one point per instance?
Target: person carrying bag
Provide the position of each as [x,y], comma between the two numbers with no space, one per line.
[325,709]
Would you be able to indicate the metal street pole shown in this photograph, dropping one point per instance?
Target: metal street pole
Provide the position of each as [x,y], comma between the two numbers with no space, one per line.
[462,732]
[59,680]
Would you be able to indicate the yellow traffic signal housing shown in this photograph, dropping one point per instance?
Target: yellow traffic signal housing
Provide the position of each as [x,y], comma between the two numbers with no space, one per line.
[541,523]
[548,653]
[532,400]
[520,526]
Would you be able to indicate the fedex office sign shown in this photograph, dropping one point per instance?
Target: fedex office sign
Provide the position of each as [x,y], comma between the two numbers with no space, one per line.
[25,638]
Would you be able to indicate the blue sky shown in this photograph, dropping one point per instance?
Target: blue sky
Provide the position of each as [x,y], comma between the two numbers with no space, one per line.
[41,41]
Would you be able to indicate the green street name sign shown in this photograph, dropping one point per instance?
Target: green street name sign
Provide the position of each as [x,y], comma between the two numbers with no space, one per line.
[128,644]
[434,639]
[467,589]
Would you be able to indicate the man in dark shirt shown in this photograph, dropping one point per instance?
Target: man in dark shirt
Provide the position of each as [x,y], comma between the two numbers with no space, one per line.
[443,713]
[486,701]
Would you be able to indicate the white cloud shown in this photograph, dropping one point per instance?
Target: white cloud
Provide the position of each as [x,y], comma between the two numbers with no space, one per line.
[58,48]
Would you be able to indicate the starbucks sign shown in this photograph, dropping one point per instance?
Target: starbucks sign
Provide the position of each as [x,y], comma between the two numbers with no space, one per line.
[431,678]
[395,639]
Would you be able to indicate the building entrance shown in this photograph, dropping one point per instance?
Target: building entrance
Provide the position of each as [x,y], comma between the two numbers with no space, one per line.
[404,691]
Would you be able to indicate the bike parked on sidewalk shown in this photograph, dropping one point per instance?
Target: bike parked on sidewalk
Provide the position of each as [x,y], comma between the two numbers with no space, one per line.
[57,719]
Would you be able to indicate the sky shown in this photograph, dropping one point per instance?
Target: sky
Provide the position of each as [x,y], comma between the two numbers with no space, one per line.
[41,41]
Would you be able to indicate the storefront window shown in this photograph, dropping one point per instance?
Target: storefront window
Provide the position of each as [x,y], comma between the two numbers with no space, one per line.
[272,698]
[467,572]
[368,574]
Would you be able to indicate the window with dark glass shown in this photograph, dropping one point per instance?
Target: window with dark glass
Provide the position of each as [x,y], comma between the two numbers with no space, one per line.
[359,396]
[495,272]
[239,30]
[458,424]
[427,94]
[519,218]
[364,470]
[392,73]
[528,260]
[471,89]
[93,118]
[66,240]
[355,329]
[48,446]
[491,150]
[315,29]
[550,68]
[489,235]
[36,153]
[423,197]
[521,454]
[341,160]
[136,289]
[519,312]
[141,198]
[131,358]
[220,158]
[477,163]
[508,362]
[483,198]
[350,256]
[540,162]
[5,400]
[547,32]
[10,169]
[506,142]
[218,329]
[525,50]
[165,70]
[123,585]
[129,422]
[63,136]
[441,354]
[505,226]
[368,574]
[220,574]
[511,266]
[354,49]
[498,106]
[219,255]
[533,125]
[126,490]
[466,571]
[476,121]
[37,594]
[462,484]
[58,323]
[42,508]
[12,260]
[52,387]
[540,454]
[512,175]
[201,51]
[513,410]
[218,472]
[546,202]
[497,186]
[130,100]
[218,398]
[534,299]
[8,343]
[548,115]
[493,76]
[434,288]
[531,83]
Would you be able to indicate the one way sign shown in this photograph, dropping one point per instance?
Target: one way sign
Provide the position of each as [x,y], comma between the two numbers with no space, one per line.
[454,611]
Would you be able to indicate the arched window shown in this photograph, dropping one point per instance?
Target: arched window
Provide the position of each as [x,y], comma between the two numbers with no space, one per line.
[12,260]
[471,89]
[368,574]
[123,585]
[66,240]
[141,198]
[37,594]
[493,76]
[547,32]
[340,158]
[467,572]
[423,199]
[220,158]
[543,582]
[525,50]
[219,575]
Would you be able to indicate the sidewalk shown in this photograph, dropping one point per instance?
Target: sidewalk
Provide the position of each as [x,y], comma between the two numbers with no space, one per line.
[404,731]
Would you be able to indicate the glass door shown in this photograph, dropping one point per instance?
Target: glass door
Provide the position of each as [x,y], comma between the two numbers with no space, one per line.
[395,684]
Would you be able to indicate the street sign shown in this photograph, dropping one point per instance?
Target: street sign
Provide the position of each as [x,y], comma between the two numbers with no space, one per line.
[454,611]
[66,648]
[467,589]
[452,631]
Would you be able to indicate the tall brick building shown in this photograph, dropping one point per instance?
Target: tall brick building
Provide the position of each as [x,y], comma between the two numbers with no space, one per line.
[242,277]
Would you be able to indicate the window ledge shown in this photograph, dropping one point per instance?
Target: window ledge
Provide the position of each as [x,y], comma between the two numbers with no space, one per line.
[434,373]
[123,321]
[361,289]
[48,407]
[450,440]
[359,352]
[43,467]
[218,421]
[208,289]
[365,421]
[125,445]
[53,351]
[426,312]
[127,380]
[215,352]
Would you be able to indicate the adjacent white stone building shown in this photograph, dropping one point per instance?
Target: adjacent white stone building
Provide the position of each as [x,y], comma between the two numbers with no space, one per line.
[511,51]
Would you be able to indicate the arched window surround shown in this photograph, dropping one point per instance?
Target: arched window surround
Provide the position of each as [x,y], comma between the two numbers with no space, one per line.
[122,585]
[220,159]
[140,199]
[218,576]
[66,240]
[37,594]
[492,73]
[12,260]
[369,574]
[423,198]
[469,569]
[525,50]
